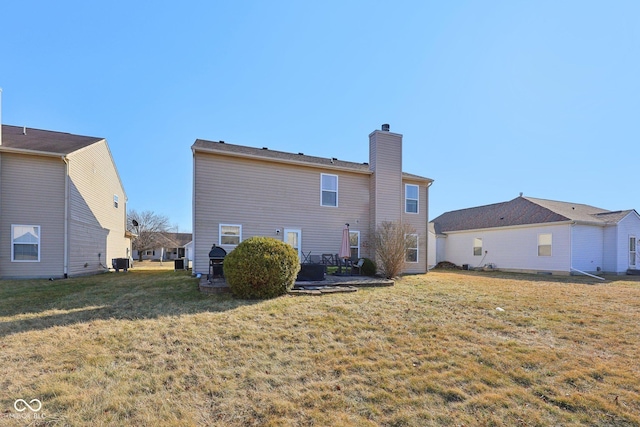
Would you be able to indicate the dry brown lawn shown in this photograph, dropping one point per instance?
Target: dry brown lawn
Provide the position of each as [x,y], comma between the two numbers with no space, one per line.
[145,348]
[152,265]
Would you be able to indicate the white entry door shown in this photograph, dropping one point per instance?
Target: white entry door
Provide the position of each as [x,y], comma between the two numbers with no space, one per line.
[293,237]
[633,253]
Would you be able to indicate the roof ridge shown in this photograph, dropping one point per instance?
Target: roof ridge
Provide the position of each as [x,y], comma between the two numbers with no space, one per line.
[53,131]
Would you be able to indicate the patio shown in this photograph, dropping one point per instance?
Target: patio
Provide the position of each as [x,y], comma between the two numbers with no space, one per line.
[330,284]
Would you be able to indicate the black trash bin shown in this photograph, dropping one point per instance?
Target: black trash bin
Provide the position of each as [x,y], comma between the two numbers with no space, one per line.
[178,264]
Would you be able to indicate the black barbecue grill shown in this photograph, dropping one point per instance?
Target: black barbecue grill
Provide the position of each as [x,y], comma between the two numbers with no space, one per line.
[216,261]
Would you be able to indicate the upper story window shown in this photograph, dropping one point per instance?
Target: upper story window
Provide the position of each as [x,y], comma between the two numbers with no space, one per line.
[115,201]
[25,243]
[544,244]
[477,246]
[230,234]
[411,198]
[328,190]
[411,253]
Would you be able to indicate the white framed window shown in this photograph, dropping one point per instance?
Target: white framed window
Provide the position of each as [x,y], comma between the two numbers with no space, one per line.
[411,198]
[633,251]
[477,246]
[411,254]
[230,234]
[25,243]
[544,244]
[328,190]
[115,201]
[354,243]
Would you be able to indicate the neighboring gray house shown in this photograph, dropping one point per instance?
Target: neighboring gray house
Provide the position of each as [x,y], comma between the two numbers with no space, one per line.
[536,235]
[242,191]
[62,205]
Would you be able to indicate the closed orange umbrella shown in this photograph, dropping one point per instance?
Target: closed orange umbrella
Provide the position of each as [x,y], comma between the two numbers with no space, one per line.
[345,247]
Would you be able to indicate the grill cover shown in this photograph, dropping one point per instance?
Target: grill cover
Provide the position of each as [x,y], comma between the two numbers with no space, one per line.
[217,253]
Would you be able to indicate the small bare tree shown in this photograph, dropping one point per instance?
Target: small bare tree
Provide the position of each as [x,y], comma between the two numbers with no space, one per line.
[149,228]
[391,241]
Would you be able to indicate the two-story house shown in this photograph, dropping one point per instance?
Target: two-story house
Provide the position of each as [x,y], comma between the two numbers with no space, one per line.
[240,192]
[62,205]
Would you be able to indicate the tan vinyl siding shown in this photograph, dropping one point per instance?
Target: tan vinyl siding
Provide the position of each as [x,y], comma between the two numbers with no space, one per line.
[32,190]
[386,162]
[96,227]
[419,223]
[264,196]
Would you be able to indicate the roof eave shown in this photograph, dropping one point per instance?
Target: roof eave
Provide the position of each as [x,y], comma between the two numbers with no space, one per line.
[416,178]
[510,227]
[276,160]
[6,149]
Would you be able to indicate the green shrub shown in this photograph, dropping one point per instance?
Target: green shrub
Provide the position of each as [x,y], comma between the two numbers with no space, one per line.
[369,268]
[261,267]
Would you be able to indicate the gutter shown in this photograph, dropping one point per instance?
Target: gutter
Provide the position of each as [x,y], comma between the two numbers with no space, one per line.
[66,218]
[34,152]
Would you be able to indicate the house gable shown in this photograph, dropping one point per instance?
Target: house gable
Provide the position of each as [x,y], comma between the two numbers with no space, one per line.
[79,192]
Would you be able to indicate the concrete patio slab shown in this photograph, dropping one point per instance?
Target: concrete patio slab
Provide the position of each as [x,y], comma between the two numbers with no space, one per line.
[330,284]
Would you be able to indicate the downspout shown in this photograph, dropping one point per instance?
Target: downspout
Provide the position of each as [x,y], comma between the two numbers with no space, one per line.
[193,214]
[66,217]
[573,224]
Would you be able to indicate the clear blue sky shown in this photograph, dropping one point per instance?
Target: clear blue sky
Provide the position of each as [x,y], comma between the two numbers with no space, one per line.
[493,97]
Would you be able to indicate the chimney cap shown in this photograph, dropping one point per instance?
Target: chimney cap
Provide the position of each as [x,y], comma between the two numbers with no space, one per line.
[385,127]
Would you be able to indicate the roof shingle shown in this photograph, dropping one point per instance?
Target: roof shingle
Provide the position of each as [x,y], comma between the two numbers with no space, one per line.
[282,156]
[523,211]
[46,141]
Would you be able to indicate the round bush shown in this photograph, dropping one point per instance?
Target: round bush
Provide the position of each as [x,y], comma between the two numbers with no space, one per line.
[369,268]
[261,267]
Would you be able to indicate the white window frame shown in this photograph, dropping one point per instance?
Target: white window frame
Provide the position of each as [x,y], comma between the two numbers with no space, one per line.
[298,232]
[322,189]
[477,246]
[633,251]
[407,198]
[416,248]
[357,247]
[550,244]
[115,201]
[13,227]
[220,235]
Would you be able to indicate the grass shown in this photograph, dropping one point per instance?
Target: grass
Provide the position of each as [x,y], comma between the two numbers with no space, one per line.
[146,348]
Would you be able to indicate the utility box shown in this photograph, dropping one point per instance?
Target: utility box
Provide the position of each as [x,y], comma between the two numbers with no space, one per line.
[120,264]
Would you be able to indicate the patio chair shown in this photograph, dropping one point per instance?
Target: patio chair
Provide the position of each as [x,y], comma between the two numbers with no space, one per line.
[315,259]
[357,266]
[327,259]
